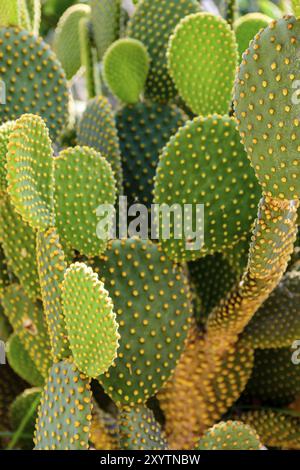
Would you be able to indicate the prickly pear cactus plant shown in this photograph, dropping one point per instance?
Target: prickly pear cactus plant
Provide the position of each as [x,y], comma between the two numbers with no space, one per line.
[149,246]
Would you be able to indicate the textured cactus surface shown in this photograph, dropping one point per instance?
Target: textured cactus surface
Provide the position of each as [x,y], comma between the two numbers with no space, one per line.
[202,58]
[149,226]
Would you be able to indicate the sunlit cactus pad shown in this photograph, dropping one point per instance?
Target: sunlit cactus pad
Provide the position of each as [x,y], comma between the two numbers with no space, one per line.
[202,58]
[267,107]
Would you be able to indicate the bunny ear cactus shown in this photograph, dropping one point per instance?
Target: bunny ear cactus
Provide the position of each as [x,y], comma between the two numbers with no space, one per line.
[246,28]
[149,324]
[35,81]
[126,66]
[144,129]
[90,313]
[202,58]
[266,105]
[105,16]
[152,23]
[72,431]
[97,129]
[30,153]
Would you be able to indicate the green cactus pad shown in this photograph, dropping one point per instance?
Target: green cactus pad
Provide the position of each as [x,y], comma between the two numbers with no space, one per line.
[30,171]
[10,386]
[83,181]
[106,23]
[90,320]
[144,129]
[139,430]
[152,23]
[275,427]
[51,268]
[205,163]
[21,362]
[229,10]
[64,415]
[66,43]
[212,278]
[266,104]
[202,60]
[35,81]
[126,66]
[246,27]
[5,132]
[277,323]
[152,303]
[275,380]
[18,242]
[230,435]
[19,409]
[28,322]
[97,129]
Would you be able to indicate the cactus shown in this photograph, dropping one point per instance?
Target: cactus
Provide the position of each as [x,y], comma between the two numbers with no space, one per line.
[97,129]
[144,129]
[149,342]
[204,76]
[126,66]
[246,27]
[67,42]
[152,23]
[26,56]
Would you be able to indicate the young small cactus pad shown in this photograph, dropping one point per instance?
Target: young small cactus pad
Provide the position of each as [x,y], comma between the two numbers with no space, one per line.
[126,66]
[64,418]
[90,320]
[267,107]
[32,74]
[202,58]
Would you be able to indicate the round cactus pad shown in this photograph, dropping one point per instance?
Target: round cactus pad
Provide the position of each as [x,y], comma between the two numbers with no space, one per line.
[202,60]
[126,66]
[246,27]
[205,163]
[152,23]
[30,171]
[90,320]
